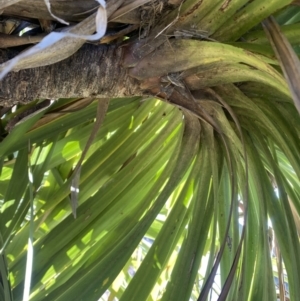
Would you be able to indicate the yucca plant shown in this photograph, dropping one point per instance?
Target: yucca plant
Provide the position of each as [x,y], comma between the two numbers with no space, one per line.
[173,141]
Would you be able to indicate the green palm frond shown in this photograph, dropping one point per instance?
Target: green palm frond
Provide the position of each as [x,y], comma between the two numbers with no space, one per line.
[191,193]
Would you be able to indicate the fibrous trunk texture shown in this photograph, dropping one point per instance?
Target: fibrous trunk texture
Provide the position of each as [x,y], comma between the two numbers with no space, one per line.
[95,70]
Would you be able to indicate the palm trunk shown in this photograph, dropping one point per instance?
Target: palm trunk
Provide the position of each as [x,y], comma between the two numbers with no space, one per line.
[92,71]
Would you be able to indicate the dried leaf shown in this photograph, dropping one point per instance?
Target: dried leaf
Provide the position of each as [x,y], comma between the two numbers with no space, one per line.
[47,2]
[5,3]
[101,112]
[59,45]
[75,190]
[286,56]
[127,8]
[7,40]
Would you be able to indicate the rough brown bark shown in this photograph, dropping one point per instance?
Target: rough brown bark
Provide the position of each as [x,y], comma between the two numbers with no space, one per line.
[92,71]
